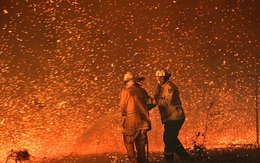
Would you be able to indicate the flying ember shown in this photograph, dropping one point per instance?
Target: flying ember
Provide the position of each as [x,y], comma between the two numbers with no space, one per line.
[62,65]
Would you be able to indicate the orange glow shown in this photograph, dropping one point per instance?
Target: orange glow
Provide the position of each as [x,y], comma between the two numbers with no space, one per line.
[62,64]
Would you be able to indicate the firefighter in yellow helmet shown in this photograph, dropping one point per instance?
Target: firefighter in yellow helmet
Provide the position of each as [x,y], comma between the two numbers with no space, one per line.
[172,116]
[133,104]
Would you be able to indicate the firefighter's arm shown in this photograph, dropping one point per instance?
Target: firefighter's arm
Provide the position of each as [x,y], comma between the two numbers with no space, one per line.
[122,103]
[165,100]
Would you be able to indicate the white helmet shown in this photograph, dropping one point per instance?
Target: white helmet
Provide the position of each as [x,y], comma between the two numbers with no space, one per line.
[162,72]
[128,76]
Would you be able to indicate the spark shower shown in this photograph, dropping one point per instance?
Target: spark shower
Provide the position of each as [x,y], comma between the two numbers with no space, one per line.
[62,64]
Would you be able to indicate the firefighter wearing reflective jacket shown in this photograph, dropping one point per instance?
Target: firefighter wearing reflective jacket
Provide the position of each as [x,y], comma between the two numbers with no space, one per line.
[136,121]
[172,116]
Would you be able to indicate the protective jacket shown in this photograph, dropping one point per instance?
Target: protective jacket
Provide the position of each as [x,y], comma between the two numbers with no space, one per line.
[133,102]
[169,102]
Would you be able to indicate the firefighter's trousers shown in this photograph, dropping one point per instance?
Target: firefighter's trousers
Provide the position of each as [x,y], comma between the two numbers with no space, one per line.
[136,143]
[171,141]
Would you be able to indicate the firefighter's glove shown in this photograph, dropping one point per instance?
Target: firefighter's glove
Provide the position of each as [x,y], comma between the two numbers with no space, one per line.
[151,101]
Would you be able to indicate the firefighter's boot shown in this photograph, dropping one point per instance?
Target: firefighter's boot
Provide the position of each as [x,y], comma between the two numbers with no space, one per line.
[168,158]
[133,159]
[183,154]
[142,160]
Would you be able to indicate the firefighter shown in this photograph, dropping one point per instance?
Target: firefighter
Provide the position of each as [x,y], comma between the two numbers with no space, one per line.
[136,121]
[172,116]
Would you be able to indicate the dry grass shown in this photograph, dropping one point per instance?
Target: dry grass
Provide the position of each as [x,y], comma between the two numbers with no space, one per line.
[211,156]
[224,155]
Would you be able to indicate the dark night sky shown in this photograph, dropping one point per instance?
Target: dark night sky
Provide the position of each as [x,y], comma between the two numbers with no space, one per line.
[65,59]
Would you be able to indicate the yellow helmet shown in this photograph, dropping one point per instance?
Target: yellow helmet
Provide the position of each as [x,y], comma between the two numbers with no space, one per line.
[162,72]
[128,76]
